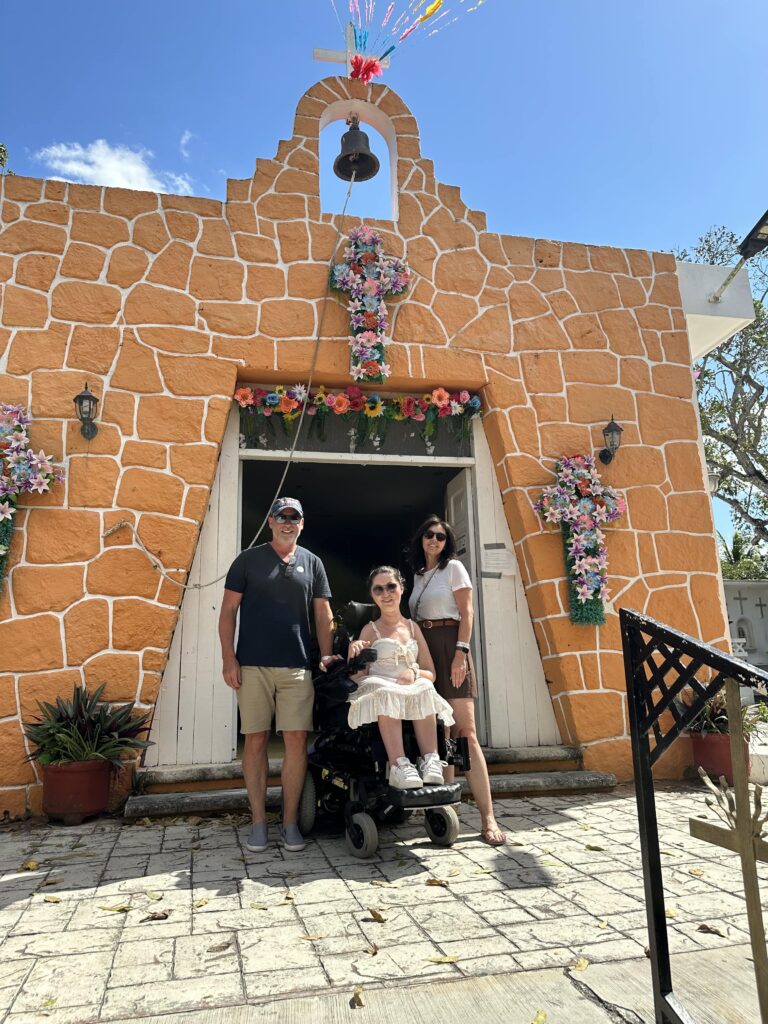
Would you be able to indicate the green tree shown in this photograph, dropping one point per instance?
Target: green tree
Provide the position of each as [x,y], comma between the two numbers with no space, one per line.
[733,395]
[3,157]
[742,559]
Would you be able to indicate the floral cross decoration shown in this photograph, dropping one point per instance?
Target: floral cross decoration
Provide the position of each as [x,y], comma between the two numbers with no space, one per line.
[368,275]
[582,505]
[21,471]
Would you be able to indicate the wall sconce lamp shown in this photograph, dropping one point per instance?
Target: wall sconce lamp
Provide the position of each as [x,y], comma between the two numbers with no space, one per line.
[612,435]
[713,479]
[755,241]
[85,406]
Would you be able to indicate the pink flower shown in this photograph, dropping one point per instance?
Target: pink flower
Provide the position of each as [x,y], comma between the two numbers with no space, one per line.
[464,397]
[330,401]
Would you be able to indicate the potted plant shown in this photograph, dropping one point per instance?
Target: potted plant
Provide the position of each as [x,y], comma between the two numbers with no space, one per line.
[711,739]
[79,743]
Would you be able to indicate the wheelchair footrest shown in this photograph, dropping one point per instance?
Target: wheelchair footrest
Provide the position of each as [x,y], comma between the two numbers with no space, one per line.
[425,796]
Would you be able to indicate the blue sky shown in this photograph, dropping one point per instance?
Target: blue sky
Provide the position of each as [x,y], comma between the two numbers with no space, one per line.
[633,124]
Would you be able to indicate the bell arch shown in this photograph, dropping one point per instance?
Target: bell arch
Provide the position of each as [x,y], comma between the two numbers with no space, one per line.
[369,200]
[368,114]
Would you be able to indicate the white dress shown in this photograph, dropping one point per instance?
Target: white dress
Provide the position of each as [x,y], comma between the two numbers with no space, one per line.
[379,693]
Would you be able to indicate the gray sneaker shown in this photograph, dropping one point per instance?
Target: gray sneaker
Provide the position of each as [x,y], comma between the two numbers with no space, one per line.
[257,840]
[291,838]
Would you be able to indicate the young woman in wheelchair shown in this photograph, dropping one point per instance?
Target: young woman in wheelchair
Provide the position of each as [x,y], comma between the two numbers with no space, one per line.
[398,686]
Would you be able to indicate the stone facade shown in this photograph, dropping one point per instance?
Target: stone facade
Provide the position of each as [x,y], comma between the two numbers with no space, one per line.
[163,302]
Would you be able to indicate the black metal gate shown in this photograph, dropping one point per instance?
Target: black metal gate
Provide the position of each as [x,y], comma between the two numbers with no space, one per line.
[660,664]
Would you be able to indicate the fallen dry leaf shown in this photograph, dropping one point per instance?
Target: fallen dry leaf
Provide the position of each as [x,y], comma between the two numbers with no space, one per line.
[289,897]
[437,881]
[580,964]
[443,960]
[50,881]
[710,929]
[48,1004]
[595,849]
[696,872]
[194,819]
[357,997]
[200,903]
[383,885]
[454,872]
[51,899]
[484,871]
[30,865]
[378,917]
[373,949]
[602,924]
[120,908]
[540,1017]
[313,938]
[220,947]
[144,822]
[670,913]
[156,915]
[258,906]
[155,896]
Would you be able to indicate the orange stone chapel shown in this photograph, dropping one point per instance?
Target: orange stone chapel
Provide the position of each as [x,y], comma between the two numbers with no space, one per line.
[166,304]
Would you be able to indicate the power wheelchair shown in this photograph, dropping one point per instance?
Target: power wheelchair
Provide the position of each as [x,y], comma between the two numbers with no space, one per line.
[346,776]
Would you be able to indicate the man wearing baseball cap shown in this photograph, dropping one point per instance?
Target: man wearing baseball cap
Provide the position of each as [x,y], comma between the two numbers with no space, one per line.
[275,587]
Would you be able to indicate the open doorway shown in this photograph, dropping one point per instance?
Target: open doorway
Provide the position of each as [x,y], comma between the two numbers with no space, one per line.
[357,516]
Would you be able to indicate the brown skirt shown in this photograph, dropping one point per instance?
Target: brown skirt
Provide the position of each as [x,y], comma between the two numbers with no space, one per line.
[441,641]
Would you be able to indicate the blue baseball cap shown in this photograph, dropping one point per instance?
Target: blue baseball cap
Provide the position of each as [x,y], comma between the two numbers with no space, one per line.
[281,504]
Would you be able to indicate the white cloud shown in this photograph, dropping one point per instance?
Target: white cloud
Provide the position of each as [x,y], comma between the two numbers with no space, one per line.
[99,163]
[184,142]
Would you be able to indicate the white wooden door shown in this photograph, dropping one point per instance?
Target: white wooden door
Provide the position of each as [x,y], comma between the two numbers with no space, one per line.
[196,718]
[460,513]
[519,708]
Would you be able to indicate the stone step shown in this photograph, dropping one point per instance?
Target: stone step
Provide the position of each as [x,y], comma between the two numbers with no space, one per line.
[151,805]
[180,778]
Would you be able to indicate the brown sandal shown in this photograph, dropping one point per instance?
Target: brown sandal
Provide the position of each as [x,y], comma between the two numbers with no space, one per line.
[491,836]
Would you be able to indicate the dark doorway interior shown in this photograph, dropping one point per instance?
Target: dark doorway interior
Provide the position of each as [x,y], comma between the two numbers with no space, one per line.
[357,516]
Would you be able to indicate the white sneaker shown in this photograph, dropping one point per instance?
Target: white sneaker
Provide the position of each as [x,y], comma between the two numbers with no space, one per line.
[403,775]
[430,768]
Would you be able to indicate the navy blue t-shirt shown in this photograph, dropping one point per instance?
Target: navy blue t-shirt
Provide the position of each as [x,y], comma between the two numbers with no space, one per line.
[276,605]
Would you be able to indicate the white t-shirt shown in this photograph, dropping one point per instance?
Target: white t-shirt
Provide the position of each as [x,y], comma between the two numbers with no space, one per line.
[438,586]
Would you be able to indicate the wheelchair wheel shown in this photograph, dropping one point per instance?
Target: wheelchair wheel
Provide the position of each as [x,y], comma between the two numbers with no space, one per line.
[362,835]
[307,805]
[442,825]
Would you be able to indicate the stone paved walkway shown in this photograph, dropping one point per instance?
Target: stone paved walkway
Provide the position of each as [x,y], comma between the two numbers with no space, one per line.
[110,921]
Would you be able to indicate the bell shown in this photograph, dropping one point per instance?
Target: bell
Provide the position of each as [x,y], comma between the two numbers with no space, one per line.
[355,156]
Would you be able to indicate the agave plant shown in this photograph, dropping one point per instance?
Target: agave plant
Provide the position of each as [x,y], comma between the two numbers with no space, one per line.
[85,729]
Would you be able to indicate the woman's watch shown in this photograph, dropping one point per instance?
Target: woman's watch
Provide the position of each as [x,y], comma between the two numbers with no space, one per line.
[326,657]
[461,646]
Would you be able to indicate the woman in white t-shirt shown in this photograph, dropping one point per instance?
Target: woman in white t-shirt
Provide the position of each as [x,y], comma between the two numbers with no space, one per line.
[441,603]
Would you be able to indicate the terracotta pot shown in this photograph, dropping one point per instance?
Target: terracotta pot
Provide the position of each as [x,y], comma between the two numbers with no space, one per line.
[712,750]
[75,791]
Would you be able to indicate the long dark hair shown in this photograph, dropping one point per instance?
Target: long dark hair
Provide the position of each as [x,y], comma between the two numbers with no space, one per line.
[416,556]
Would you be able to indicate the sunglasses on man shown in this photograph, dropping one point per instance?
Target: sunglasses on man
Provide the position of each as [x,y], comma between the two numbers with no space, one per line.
[434,535]
[379,589]
[282,518]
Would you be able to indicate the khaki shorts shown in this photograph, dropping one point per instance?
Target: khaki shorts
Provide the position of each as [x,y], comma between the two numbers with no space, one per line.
[286,693]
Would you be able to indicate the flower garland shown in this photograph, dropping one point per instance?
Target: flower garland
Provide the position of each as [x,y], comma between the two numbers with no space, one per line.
[367,275]
[582,506]
[368,414]
[21,472]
